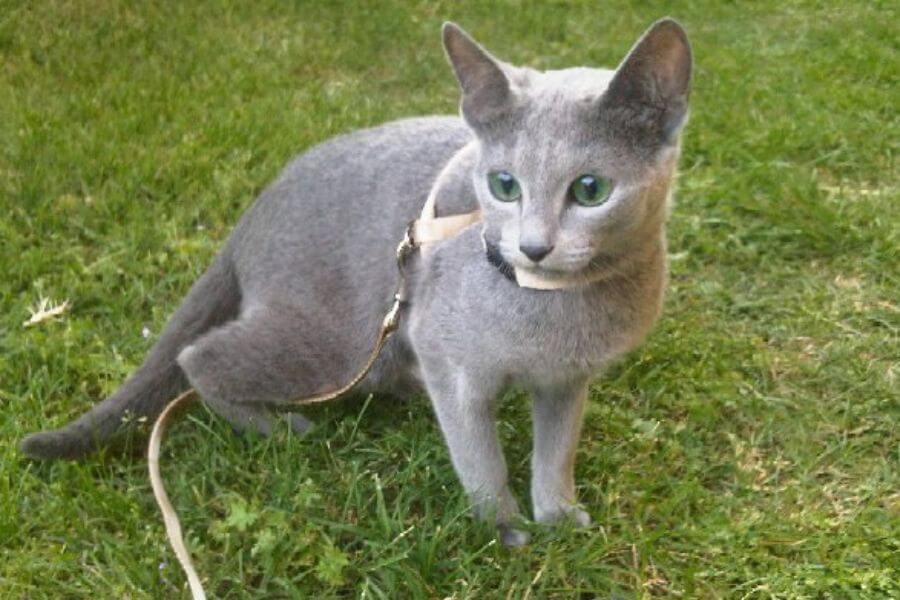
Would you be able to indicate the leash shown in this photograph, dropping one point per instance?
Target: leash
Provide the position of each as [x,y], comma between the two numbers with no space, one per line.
[170,517]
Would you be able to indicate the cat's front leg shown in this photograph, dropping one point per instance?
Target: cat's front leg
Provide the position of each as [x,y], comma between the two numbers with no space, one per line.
[464,404]
[557,415]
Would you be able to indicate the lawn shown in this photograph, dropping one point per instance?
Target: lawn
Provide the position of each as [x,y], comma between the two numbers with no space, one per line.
[749,449]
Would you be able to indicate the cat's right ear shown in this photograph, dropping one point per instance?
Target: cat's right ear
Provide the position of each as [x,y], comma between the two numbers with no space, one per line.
[486,92]
[657,74]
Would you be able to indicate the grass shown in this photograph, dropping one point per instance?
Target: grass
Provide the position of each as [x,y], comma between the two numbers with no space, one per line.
[748,450]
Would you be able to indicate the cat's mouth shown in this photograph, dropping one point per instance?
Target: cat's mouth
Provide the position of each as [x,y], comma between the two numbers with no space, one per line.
[600,267]
[495,257]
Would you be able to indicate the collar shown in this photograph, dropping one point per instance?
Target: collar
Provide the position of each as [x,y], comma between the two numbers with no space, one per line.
[492,252]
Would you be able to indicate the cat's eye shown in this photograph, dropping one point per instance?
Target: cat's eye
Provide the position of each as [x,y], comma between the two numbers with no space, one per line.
[504,186]
[589,190]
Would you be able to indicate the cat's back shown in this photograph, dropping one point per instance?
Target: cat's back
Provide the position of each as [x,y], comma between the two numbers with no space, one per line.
[345,202]
[390,153]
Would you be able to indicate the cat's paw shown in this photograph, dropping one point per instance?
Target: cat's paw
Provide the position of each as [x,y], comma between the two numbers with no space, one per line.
[559,514]
[512,537]
[299,424]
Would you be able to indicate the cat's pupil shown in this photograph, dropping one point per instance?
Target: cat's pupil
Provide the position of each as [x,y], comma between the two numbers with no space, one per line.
[506,182]
[590,186]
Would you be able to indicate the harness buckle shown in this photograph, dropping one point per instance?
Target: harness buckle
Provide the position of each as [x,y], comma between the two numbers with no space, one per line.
[392,318]
[407,245]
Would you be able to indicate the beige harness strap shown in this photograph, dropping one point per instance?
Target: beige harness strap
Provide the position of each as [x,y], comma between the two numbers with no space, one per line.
[430,231]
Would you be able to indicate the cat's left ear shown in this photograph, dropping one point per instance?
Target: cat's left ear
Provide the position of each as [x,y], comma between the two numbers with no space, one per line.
[656,74]
[486,92]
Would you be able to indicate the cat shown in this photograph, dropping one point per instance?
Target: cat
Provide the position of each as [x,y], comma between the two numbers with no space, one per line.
[571,170]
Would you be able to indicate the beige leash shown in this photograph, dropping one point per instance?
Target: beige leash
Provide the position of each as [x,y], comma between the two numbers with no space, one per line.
[170,517]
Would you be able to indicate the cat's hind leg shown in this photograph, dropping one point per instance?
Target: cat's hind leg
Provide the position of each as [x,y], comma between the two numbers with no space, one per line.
[244,368]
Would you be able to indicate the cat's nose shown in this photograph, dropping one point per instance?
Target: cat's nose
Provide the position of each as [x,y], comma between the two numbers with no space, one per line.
[535,252]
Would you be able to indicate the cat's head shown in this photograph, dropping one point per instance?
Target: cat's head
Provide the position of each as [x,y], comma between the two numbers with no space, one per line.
[574,165]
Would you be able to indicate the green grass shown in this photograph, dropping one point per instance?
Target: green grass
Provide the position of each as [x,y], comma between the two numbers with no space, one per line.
[748,450]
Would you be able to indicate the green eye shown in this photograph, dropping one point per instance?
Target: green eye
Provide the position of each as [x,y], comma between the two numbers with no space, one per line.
[504,186]
[588,190]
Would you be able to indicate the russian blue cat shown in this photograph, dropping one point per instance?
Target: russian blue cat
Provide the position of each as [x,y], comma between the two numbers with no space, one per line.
[571,171]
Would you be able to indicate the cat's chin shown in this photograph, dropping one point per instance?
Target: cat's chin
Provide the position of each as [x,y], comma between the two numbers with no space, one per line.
[563,277]
[548,272]
[546,269]
[601,267]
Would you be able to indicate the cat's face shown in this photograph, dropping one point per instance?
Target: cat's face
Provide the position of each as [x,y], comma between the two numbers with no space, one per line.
[574,166]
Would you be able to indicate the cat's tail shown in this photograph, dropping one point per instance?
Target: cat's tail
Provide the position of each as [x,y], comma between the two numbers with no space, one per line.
[213,300]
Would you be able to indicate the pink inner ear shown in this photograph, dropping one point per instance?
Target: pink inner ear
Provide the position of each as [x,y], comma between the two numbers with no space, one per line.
[665,53]
[669,76]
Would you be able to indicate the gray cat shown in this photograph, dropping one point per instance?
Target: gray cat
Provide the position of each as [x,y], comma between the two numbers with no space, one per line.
[571,170]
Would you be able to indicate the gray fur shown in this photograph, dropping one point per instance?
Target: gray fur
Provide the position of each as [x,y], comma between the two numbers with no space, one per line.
[293,302]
